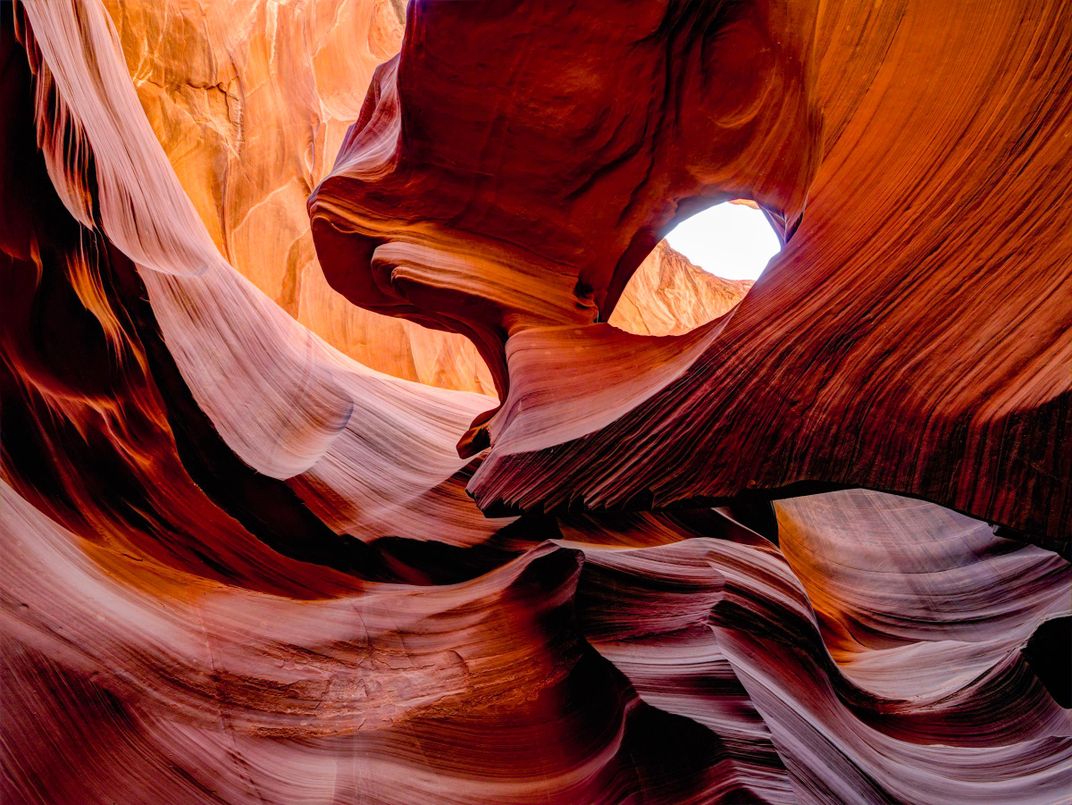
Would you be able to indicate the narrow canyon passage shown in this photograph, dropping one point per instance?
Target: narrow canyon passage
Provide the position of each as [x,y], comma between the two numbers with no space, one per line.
[586,403]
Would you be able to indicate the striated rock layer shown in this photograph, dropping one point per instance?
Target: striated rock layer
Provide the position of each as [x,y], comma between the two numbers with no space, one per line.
[251,100]
[915,334]
[241,566]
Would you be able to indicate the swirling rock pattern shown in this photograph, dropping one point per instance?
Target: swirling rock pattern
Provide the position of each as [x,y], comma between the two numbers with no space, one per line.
[923,220]
[251,104]
[241,566]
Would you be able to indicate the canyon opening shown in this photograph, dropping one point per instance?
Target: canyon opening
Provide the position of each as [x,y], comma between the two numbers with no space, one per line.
[733,240]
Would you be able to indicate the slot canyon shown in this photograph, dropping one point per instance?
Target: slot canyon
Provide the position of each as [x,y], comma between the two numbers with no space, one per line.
[365,441]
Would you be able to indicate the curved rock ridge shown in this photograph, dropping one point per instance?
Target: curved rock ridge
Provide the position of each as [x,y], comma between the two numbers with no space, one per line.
[920,310]
[240,566]
[251,100]
[441,207]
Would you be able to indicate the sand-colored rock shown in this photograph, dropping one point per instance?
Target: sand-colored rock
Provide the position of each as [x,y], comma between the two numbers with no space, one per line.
[250,100]
[668,295]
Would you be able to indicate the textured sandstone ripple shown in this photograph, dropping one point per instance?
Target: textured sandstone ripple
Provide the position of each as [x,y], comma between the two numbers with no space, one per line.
[242,566]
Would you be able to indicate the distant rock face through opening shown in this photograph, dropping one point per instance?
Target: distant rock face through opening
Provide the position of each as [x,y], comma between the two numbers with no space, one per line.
[702,269]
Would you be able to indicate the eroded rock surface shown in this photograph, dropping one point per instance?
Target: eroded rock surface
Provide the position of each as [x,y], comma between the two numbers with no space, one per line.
[241,566]
[251,100]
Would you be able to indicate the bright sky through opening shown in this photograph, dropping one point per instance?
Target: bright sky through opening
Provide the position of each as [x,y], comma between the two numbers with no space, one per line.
[734,241]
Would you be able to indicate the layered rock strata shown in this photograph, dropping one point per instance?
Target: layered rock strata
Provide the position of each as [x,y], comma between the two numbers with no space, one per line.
[241,566]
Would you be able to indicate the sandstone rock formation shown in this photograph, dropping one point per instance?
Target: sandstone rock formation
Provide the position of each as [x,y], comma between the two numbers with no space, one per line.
[241,566]
[251,100]
[668,295]
[913,313]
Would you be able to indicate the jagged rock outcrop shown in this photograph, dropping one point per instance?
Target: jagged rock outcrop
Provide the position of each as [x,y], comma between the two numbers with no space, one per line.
[240,566]
[668,295]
